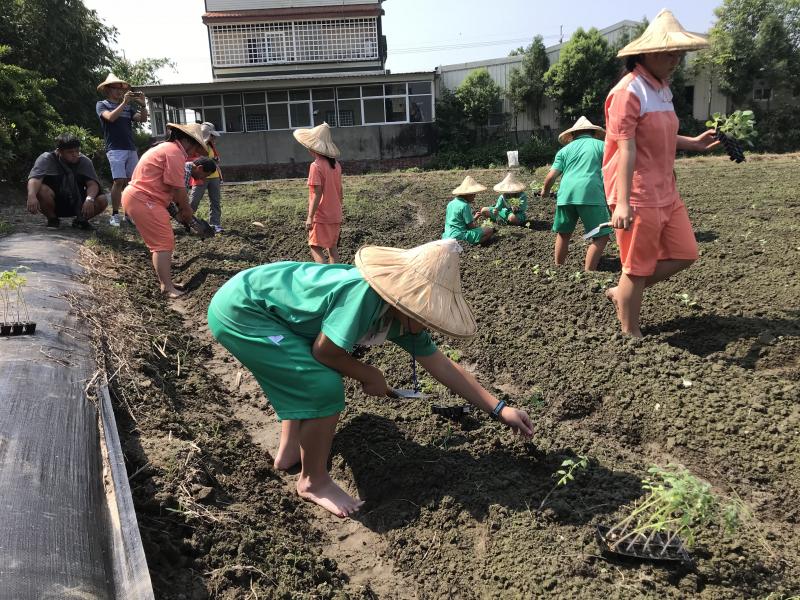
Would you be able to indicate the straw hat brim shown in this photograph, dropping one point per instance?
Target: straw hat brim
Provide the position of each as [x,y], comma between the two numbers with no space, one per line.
[388,273]
[192,132]
[468,189]
[309,139]
[509,187]
[112,79]
[670,42]
[567,136]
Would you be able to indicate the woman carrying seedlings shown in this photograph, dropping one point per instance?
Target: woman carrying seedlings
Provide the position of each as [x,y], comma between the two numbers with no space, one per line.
[459,222]
[294,325]
[324,221]
[158,180]
[654,234]
[580,195]
[511,205]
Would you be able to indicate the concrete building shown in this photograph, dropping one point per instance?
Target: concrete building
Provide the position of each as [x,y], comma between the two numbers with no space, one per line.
[704,93]
[282,64]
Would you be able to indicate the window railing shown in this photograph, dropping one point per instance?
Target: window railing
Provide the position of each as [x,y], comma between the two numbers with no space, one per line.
[294,42]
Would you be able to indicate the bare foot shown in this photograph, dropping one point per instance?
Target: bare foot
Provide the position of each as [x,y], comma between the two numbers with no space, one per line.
[611,294]
[287,457]
[329,496]
[633,334]
[172,293]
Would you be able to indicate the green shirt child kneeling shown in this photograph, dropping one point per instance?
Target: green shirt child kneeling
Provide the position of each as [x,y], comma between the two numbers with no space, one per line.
[512,204]
[459,223]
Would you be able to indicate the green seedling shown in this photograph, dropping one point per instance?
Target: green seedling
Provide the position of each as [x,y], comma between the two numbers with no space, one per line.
[576,276]
[498,262]
[566,474]
[739,125]
[536,269]
[677,504]
[550,273]
[536,400]
[452,353]
[12,282]
[686,299]
[487,223]
[513,202]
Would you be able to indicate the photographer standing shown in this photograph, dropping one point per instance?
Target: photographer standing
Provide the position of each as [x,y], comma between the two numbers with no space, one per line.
[117,112]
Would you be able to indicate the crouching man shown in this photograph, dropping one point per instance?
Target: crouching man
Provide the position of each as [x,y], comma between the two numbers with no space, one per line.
[63,183]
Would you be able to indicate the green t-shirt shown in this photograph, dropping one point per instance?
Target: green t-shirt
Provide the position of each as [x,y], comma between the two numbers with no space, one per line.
[309,298]
[503,202]
[459,215]
[580,163]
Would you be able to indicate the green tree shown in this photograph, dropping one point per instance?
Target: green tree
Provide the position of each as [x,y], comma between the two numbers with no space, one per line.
[754,39]
[580,80]
[526,84]
[478,95]
[27,120]
[64,41]
[140,72]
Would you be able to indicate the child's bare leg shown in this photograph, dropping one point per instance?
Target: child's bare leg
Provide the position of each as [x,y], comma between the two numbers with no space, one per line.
[318,254]
[315,483]
[333,255]
[513,219]
[627,298]
[594,252]
[667,268]
[562,248]
[487,233]
[162,263]
[289,449]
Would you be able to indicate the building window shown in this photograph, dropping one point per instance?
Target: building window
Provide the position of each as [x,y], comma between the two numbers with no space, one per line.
[234,117]
[255,111]
[762,93]
[332,40]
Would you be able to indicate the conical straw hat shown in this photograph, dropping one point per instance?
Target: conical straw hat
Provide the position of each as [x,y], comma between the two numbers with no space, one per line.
[318,139]
[112,79]
[509,185]
[582,124]
[193,130]
[664,34]
[468,186]
[423,283]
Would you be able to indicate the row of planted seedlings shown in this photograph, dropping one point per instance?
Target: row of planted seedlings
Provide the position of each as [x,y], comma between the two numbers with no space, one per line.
[12,284]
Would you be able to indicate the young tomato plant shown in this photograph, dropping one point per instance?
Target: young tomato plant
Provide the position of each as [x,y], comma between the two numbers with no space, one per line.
[733,131]
[566,474]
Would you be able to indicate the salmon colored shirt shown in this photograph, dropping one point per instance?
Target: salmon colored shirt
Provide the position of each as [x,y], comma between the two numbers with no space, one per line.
[329,209]
[640,107]
[160,170]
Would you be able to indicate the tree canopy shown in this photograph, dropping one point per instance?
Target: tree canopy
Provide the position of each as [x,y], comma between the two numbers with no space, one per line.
[579,81]
[478,95]
[526,84]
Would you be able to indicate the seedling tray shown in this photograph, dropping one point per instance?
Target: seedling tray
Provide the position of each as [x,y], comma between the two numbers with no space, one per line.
[15,329]
[659,549]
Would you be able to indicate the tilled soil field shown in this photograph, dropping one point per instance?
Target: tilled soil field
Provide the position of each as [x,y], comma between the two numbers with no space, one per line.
[453,508]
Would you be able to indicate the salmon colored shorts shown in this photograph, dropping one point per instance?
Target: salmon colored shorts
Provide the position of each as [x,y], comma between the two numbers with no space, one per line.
[661,233]
[324,235]
[151,219]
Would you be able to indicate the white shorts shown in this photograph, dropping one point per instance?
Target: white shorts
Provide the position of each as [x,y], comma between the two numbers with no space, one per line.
[122,162]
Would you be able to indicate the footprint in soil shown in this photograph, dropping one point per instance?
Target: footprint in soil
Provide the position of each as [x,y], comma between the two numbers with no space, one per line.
[396,477]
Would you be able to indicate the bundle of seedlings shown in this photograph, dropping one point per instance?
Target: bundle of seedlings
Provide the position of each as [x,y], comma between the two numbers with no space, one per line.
[733,131]
[667,520]
[12,282]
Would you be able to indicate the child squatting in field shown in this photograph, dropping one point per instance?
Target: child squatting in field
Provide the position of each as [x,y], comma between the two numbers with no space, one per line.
[512,204]
[293,325]
[459,223]
[581,195]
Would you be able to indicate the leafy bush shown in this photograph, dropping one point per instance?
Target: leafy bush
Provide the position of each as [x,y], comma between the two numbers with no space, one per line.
[778,130]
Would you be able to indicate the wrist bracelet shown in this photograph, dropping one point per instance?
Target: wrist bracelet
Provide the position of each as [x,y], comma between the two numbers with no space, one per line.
[495,414]
[89,199]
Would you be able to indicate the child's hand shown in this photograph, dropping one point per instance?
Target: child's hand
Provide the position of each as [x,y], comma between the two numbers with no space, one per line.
[375,385]
[517,420]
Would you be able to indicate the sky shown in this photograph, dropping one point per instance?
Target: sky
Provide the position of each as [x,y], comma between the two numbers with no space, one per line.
[420,34]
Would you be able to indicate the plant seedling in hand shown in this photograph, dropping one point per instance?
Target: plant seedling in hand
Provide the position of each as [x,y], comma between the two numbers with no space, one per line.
[734,130]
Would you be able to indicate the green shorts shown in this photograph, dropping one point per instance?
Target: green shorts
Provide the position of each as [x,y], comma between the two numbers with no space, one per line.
[591,215]
[472,236]
[502,214]
[296,384]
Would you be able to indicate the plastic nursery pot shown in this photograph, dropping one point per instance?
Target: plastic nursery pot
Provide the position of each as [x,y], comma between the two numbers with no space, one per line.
[454,413]
[29,327]
[661,547]
[16,328]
